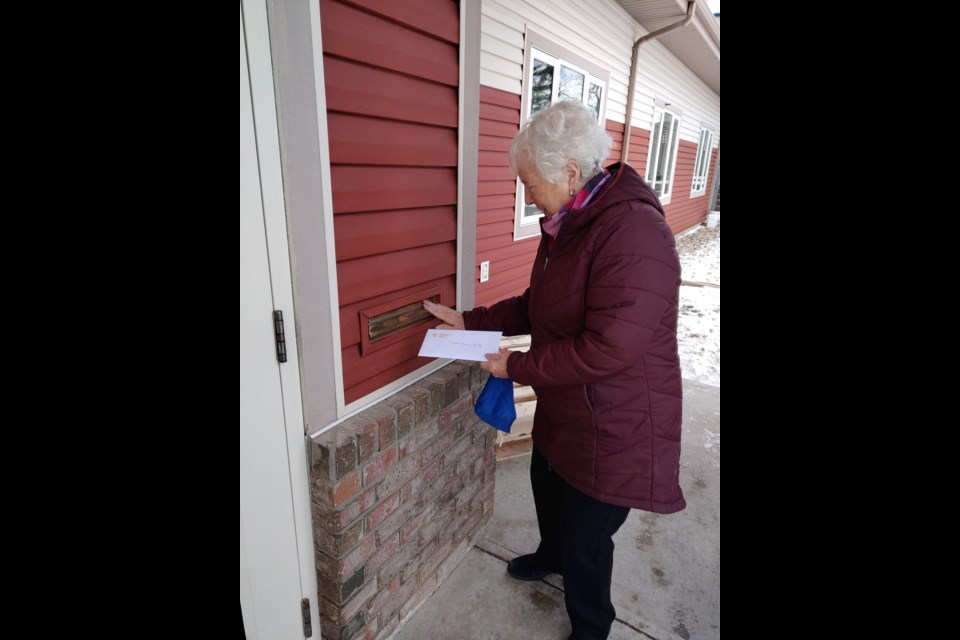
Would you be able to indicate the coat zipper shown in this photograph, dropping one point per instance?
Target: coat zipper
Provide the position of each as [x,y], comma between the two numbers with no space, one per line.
[553,241]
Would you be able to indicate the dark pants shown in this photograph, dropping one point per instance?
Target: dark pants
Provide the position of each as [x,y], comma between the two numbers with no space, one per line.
[576,536]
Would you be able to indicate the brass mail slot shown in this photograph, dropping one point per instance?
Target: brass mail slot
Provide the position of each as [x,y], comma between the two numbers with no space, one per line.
[385,324]
[393,321]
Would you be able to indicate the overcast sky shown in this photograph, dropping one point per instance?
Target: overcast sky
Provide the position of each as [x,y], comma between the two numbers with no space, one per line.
[714,5]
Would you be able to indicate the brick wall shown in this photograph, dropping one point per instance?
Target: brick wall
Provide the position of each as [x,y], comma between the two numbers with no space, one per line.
[400,492]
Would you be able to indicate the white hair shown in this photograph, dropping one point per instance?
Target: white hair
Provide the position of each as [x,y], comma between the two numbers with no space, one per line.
[566,131]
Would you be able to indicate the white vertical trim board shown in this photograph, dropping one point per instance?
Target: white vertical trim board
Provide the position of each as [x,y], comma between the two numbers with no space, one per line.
[320,85]
[468,123]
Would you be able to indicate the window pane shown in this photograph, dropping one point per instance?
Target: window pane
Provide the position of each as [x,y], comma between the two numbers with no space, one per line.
[593,99]
[699,163]
[702,163]
[542,86]
[671,154]
[531,213]
[663,152]
[571,84]
[654,146]
[698,166]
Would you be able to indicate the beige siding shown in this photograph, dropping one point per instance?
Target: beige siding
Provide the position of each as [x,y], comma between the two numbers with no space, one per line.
[604,33]
[508,36]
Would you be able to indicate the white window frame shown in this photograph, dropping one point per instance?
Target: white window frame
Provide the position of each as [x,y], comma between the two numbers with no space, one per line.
[663,188]
[701,167]
[545,50]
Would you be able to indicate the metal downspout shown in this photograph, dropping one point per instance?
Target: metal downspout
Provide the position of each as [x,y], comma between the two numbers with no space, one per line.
[653,35]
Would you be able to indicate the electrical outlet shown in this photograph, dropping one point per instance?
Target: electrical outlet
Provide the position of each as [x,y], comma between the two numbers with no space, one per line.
[484,271]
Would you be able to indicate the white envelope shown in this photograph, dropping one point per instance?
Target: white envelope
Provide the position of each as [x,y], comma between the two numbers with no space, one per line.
[460,345]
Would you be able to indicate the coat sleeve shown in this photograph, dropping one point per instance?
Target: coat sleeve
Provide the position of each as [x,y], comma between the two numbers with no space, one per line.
[634,279]
[509,316]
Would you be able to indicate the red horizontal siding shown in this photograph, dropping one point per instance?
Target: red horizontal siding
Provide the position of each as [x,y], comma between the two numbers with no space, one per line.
[364,140]
[613,127]
[486,245]
[365,234]
[639,149]
[498,113]
[357,188]
[497,201]
[491,96]
[518,271]
[508,272]
[501,129]
[496,187]
[510,261]
[503,288]
[683,211]
[489,244]
[439,18]
[507,284]
[357,88]
[358,368]
[371,276]
[509,275]
[385,377]
[355,34]
[493,216]
[391,71]
[615,131]
[350,313]
[509,257]
[499,228]
[493,159]
[486,174]
[493,143]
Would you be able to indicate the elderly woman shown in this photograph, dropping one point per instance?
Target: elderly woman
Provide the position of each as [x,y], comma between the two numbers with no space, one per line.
[601,311]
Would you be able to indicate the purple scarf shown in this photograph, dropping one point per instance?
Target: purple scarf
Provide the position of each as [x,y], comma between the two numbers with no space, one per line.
[580,200]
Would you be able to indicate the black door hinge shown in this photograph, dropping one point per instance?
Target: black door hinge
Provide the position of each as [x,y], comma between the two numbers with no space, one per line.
[305,611]
[278,333]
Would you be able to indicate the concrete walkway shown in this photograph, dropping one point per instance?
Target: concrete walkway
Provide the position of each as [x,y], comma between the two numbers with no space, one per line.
[666,577]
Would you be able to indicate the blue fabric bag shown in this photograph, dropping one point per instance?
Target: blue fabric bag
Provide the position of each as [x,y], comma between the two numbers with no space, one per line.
[495,403]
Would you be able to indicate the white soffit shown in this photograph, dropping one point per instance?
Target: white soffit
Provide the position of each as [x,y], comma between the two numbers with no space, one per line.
[696,45]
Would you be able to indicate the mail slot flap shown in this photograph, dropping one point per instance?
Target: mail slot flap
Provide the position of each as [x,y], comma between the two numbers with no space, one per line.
[392,321]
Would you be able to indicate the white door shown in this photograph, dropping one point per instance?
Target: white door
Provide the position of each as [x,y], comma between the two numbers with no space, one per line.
[276,561]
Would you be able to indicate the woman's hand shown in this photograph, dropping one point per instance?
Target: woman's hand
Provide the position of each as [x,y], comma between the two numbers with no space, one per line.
[496,363]
[452,319]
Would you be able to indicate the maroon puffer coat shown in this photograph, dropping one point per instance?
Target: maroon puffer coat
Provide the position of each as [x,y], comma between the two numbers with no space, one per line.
[601,310]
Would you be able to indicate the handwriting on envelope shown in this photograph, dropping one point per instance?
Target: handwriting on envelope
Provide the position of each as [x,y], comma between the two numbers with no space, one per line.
[460,345]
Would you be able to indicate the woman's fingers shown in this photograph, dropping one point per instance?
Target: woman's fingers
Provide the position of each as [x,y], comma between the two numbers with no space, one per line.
[496,363]
[452,319]
[438,310]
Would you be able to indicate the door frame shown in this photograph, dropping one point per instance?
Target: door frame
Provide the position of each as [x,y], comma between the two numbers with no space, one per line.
[274,479]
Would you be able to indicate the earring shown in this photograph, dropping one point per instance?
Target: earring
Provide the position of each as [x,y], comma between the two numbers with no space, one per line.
[573,191]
